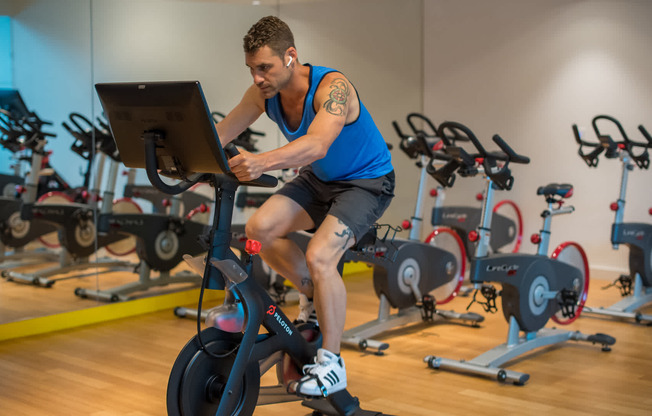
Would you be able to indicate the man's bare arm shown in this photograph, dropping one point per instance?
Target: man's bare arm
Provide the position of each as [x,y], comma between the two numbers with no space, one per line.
[332,98]
[242,116]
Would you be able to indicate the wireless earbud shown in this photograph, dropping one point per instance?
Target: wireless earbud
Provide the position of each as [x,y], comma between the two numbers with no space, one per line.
[289,62]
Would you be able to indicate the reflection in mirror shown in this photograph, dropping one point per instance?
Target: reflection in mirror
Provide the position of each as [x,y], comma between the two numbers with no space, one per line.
[61,48]
[48,63]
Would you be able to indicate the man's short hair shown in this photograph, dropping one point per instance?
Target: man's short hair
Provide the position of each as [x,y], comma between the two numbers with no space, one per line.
[269,31]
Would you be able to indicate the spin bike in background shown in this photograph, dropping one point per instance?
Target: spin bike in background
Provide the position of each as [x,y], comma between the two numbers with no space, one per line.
[635,287]
[22,134]
[507,224]
[159,239]
[535,287]
[219,371]
[76,222]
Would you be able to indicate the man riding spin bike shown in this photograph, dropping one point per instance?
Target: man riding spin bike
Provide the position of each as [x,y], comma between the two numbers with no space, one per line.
[345,184]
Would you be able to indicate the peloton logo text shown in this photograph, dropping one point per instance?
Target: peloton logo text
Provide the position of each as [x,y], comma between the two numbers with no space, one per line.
[272,311]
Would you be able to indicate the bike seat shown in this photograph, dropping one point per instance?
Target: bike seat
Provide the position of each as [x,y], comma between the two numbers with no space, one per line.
[564,190]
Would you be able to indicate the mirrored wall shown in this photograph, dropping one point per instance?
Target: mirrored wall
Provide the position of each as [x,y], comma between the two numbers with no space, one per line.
[61,48]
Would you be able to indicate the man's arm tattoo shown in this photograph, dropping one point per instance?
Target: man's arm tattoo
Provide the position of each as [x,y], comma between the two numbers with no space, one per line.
[346,232]
[336,103]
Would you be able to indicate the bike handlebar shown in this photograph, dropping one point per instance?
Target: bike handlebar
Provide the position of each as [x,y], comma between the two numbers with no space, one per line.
[425,119]
[611,147]
[465,163]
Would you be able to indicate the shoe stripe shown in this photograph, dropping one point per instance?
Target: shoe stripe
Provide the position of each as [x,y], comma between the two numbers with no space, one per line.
[329,378]
[332,377]
[337,379]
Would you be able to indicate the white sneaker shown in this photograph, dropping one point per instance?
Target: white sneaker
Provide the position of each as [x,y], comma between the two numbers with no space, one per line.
[306,311]
[326,376]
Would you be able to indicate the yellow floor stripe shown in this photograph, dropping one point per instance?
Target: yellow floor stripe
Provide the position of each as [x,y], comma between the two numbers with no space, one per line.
[108,312]
[103,313]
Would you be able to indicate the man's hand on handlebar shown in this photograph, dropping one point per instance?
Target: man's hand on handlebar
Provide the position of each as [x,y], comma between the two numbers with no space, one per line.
[247,166]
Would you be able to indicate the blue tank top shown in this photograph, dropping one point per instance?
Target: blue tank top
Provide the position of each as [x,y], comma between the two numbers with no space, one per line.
[359,152]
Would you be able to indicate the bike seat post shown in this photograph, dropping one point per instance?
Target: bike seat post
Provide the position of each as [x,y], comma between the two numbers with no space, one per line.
[97,181]
[31,183]
[109,192]
[542,249]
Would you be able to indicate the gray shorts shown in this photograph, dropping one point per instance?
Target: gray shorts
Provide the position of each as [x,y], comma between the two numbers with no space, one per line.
[358,203]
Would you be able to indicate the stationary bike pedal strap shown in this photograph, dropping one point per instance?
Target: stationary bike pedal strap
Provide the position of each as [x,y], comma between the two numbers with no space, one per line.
[428,307]
[490,294]
[623,283]
[304,379]
[567,300]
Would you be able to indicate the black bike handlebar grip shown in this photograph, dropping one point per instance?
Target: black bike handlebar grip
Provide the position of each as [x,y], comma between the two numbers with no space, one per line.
[511,154]
[256,133]
[578,138]
[646,135]
[264,180]
[426,120]
[231,150]
[398,130]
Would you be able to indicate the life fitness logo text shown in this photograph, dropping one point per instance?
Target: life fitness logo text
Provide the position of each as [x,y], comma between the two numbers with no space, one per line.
[459,216]
[272,311]
[637,234]
[503,268]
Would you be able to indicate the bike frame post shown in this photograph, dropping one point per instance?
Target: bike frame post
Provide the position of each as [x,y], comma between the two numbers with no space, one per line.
[417,218]
[484,230]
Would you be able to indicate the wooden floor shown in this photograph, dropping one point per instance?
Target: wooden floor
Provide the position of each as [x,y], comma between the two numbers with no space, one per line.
[19,301]
[121,368]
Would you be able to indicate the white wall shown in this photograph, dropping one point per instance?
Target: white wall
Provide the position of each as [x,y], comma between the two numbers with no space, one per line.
[528,70]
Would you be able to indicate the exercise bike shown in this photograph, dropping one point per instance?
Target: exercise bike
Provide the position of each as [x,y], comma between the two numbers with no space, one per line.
[22,133]
[635,287]
[453,224]
[75,222]
[217,372]
[507,226]
[535,288]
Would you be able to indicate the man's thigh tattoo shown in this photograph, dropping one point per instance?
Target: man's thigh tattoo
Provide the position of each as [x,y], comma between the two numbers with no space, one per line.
[345,233]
